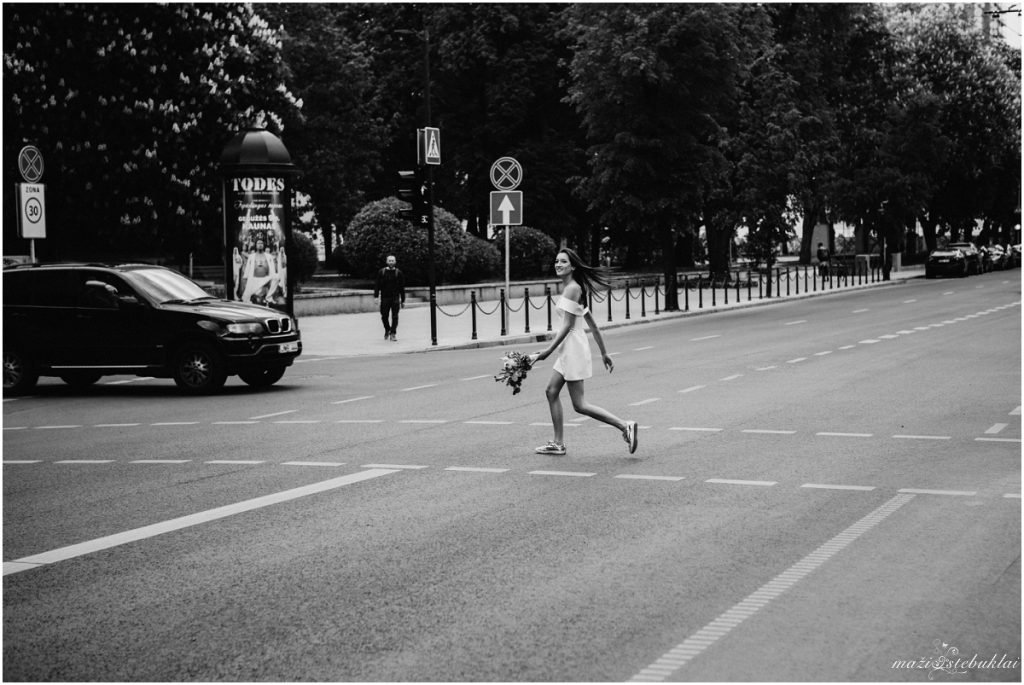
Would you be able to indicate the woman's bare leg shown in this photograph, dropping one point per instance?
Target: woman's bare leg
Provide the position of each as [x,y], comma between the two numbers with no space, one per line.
[553,392]
[593,411]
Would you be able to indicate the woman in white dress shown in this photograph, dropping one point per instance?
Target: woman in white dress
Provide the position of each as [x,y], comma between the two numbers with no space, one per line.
[573,364]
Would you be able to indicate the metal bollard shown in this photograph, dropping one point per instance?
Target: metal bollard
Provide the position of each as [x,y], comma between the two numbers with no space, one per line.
[627,299]
[686,291]
[547,295]
[657,285]
[643,298]
[472,306]
[526,308]
[503,311]
[700,291]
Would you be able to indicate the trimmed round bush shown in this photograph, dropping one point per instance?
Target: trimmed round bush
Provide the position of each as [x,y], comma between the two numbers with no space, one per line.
[378,231]
[483,260]
[531,252]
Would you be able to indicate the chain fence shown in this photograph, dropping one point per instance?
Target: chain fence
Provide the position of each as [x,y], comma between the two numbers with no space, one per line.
[692,291]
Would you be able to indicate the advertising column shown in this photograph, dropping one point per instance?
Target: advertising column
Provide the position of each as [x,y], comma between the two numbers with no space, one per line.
[256,235]
[257,189]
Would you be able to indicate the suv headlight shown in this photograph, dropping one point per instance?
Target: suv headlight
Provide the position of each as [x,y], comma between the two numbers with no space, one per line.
[245,328]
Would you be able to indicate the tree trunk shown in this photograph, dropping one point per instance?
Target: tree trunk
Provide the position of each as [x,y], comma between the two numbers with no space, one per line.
[810,220]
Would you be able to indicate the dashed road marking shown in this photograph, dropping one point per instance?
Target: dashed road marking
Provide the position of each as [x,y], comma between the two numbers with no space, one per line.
[795,323]
[996,428]
[731,481]
[844,435]
[692,388]
[797,360]
[419,387]
[694,428]
[1015,412]
[922,437]
[860,311]
[233,462]
[847,347]
[768,431]
[234,423]
[823,353]
[706,337]
[997,439]
[641,349]
[313,463]
[411,467]
[270,416]
[476,469]
[488,423]
[434,421]
[476,378]
[297,421]
[115,425]
[680,655]
[578,474]
[175,423]
[647,401]
[43,428]
[84,461]
[731,378]
[359,421]
[160,461]
[869,341]
[920,491]
[765,368]
[823,486]
[627,476]
[353,399]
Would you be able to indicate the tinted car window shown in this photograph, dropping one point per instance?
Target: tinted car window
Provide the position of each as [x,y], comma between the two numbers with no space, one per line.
[39,288]
[162,285]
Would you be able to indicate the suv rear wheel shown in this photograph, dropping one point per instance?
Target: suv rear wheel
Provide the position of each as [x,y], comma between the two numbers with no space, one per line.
[262,378]
[198,368]
[20,373]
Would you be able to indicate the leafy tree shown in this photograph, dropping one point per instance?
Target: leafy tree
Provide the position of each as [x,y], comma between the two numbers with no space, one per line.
[651,83]
[337,136]
[131,106]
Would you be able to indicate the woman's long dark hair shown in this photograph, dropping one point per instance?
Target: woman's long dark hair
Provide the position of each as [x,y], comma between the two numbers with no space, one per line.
[589,277]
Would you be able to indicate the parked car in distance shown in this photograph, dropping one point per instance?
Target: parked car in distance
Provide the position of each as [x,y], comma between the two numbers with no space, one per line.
[949,262]
[971,254]
[80,322]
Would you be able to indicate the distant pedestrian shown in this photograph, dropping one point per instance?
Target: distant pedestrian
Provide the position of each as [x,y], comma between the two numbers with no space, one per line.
[389,293]
[573,363]
[823,260]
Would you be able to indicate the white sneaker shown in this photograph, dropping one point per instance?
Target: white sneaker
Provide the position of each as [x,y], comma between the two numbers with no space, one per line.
[631,435]
[551,448]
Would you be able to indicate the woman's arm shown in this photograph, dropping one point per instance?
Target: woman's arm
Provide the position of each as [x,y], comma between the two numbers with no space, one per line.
[596,332]
[571,293]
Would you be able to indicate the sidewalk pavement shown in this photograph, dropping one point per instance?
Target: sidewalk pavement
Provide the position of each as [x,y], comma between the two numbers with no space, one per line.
[362,334]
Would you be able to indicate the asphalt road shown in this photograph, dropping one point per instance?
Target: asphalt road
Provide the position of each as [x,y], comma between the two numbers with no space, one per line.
[826,489]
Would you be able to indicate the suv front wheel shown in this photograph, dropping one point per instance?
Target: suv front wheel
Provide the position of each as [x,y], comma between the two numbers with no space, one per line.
[20,373]
[198,368]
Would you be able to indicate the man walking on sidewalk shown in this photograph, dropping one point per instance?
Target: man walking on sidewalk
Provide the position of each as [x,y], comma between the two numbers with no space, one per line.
[389,292]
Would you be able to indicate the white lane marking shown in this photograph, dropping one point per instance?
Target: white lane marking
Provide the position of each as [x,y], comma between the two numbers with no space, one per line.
[888,336]
[641,349]
[85,461]
[23,461]
[847,347]
[234,423]
[996,428]
[922,437]
[313,463]
[918,491]
[706,337]
[765,368]
[419,387]
[844,435]
[731,378]
[860,311]
[869,341]
[627,476]
[795,323]
[413,467]
[1012,495]
[921,328]
[475,469]
[278,413]
[823,486]
[768,431]
[15,428]
[997,439]
[729,481]
[488,423]
[131,380]
[41,428]
[354,399]
[476,378]
[115,425]
[1015,412]
[647,401]
[175,423]
[822,354]
[160,461]
[909,301]
[242,462]
[692,388]
[423,421]
[677,657]
[797,360]
[579,474]
[82,548]
[297,421]
[359,421]
[948,292]
[689,428]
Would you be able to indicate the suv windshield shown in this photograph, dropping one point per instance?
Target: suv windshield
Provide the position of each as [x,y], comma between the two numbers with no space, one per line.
[163,285]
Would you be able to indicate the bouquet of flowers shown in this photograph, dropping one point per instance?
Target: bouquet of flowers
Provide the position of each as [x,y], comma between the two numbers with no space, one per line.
[514,366]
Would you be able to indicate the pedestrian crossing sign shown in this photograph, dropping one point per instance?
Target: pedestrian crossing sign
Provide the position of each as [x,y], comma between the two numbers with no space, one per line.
[431,145]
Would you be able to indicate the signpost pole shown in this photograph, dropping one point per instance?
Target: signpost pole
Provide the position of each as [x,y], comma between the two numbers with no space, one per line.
[508,230]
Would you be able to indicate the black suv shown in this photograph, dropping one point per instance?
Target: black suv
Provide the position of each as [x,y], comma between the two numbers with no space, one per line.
[82,321]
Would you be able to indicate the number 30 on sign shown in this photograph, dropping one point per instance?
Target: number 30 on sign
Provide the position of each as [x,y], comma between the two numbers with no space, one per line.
[32,210]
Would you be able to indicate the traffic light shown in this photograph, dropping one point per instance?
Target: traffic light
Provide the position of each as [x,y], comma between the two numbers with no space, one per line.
[412,189]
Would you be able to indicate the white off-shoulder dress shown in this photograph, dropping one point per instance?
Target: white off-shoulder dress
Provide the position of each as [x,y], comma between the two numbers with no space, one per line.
[573,360]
